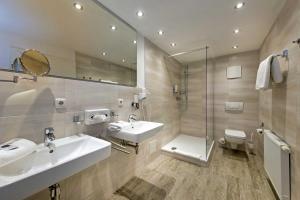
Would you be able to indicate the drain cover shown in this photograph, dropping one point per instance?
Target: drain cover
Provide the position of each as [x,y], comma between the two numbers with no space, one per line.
[174,148]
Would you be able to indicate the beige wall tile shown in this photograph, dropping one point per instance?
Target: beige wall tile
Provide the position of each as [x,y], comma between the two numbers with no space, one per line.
[242,89]
[279,106]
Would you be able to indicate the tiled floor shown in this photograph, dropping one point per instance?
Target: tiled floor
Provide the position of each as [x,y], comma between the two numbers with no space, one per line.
[230,175]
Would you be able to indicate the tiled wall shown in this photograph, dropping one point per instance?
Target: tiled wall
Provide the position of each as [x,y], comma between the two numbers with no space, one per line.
[193,114]
[241,89]
[27,108]
[219,90]
[279,107]
[199,102]
[161,74]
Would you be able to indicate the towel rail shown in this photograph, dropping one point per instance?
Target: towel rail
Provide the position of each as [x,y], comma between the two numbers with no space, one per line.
[284,54]
[297,41]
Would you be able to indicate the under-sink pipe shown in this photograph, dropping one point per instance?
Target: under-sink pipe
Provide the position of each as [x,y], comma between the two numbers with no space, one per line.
[54,191]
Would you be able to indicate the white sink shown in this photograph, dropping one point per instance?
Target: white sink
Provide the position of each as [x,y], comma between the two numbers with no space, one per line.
[41,169]
[138,131]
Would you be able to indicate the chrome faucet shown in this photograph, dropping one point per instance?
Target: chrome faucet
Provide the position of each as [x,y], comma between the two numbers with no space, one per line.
[49,138]
[132,118]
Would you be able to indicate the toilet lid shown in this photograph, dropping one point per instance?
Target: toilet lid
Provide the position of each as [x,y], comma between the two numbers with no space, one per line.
[235,133]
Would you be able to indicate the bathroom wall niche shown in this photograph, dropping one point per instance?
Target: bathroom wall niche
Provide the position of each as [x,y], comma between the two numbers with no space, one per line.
[82,40]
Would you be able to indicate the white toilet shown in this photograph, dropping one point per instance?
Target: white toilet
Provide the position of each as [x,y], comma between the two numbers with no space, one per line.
[235,137]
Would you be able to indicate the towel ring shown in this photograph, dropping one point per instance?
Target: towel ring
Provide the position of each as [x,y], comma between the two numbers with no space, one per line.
[297,41]
[285,54]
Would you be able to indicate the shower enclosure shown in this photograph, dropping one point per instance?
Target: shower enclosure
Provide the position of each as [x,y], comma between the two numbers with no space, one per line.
[196,139]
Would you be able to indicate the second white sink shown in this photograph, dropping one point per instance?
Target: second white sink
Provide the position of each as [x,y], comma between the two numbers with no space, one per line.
[137,131]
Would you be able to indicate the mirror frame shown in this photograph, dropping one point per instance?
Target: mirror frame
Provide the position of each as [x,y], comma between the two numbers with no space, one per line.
[25,69]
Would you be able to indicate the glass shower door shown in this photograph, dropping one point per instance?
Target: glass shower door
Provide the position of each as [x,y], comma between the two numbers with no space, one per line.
[209,103]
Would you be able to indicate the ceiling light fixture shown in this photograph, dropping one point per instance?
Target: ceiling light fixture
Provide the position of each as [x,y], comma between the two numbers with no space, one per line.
[173,44]
[103,53]
[140,13]
[113,27]
[239,5]
[123,60]
[235,47]
[160,32]
[134,42]
[236,31]
[78,6]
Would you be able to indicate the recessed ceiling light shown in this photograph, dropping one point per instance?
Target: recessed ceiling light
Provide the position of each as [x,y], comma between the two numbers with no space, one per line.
[236,31]
[140,13]
[173,44]
[160,32]
[123,60]
[113,27]
[239,5]
[104,53]
[235,47]
[78,6]
[134,41]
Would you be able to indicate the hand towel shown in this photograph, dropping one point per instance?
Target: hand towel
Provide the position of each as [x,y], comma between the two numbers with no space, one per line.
[263,74]
[276,71]
[117,126]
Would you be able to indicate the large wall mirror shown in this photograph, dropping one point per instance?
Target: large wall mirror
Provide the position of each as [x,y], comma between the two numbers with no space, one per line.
[81,39]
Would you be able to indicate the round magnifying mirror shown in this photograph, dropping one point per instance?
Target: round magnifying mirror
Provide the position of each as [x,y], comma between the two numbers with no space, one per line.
[35,63]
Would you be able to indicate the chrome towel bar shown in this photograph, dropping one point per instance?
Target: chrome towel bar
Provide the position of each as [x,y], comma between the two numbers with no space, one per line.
[297,41]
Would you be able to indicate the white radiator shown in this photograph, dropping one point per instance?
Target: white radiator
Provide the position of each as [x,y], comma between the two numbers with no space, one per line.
[277,164]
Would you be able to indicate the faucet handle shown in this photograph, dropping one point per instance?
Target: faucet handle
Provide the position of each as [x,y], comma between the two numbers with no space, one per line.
[132,116]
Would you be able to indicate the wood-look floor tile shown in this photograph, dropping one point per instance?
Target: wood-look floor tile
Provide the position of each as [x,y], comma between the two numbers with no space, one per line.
[231,175]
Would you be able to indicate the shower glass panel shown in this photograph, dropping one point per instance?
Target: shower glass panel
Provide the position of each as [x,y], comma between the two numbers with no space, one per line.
[197,99]
[196,139]
[209,102]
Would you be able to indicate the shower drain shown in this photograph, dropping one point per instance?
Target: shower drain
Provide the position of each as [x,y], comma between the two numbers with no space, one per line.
[174,148]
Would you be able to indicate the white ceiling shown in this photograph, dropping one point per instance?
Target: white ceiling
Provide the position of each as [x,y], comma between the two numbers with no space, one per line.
[196,23]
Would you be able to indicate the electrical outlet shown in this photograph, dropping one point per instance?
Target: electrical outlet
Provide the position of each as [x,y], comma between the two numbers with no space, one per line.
[120,102]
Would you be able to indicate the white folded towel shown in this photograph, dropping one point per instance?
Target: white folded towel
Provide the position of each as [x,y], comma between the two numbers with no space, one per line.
[15,149]
[263,74]
[117,126]
[269,66]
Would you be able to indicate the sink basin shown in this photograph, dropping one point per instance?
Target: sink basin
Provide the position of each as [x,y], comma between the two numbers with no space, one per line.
[40,169]
[138,131]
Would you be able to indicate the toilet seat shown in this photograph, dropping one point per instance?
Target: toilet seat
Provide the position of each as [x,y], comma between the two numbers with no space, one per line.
[235,134]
